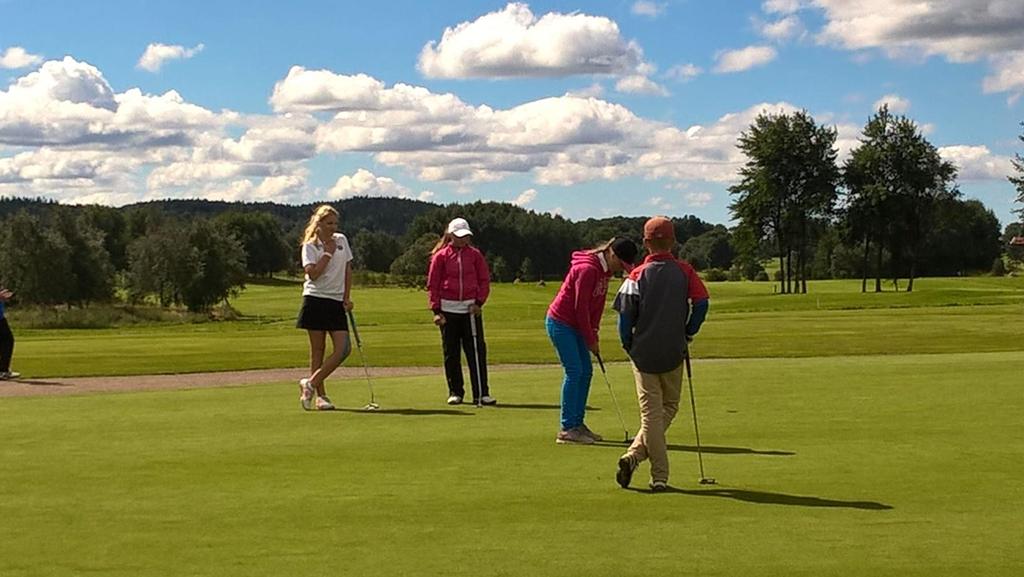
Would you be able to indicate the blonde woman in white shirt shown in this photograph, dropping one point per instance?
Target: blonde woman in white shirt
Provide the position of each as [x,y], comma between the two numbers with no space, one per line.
[326,297]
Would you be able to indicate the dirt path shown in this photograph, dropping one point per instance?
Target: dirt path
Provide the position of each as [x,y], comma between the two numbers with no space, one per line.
[29,387]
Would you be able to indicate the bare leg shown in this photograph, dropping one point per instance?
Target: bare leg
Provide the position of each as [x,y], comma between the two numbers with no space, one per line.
[317,346]
[342,348]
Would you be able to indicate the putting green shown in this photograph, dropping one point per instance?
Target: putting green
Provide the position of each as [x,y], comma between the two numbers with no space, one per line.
[868,465]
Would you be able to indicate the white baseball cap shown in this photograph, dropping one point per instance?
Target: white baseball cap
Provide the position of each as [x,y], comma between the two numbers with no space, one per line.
[459,227]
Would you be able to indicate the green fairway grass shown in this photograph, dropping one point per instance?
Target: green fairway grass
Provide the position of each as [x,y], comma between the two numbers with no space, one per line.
[746,320]
[847,465]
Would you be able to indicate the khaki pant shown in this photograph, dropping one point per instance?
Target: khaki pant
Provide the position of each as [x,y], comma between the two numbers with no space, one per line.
[658,395]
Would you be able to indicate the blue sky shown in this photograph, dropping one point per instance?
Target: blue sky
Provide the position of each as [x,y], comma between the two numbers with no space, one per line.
[586,109]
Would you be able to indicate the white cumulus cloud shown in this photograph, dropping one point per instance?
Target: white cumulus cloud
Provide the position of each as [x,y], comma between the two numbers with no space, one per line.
[1007,74]
[513,42]
[977,162]
[366,183]
[157,54]
[957,30]
[744,59]
[897,104]
[526,197]
[16,57]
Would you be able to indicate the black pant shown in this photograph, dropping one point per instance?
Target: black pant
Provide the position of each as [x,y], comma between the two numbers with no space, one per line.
[457,334]
[6,345]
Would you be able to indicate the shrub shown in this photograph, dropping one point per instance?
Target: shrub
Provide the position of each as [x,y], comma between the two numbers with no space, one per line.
[998,267]
[715,275]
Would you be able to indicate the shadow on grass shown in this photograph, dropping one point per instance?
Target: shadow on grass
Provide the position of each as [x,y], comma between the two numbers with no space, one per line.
[40,383]
[408,412]
[729,450]
[707,450]
[524,406]
[766,498]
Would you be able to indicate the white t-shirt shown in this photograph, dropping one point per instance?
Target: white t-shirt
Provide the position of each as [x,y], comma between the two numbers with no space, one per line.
[330,284]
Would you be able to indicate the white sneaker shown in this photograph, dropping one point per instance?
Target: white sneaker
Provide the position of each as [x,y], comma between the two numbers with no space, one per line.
[8,375]
[488,400]
[306,398]
[454,400]
[324,404]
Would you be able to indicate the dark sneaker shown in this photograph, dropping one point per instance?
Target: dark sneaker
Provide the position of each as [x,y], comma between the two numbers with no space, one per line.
[573,437]
[659,486]
[624,475]
[586,431]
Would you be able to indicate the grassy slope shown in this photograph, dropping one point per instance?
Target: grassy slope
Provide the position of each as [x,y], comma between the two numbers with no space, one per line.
[943,315]
[878,465]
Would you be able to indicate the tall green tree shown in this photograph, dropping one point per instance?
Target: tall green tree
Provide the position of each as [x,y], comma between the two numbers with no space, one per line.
[92,274]
[712,249]
[410,267]
[375,250]
[787,184]
[1018,181]
[197,264]
[35,260]
[895,179]
[222,267]
[262,239]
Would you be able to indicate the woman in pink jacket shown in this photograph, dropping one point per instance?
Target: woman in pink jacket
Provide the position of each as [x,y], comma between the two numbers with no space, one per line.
[458,284]
[573,320]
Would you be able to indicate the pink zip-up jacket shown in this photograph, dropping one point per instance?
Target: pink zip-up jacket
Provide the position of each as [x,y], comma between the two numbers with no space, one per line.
[458,274]
[580,302]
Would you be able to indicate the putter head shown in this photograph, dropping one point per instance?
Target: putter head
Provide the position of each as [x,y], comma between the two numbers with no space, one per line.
[707,481]
[371,407]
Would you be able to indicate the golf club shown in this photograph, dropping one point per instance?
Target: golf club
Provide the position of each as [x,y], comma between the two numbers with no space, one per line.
[696,431]
[626,438]
[478,393]
[372,405]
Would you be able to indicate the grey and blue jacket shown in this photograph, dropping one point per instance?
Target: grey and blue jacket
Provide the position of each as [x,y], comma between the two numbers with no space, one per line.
[662,305]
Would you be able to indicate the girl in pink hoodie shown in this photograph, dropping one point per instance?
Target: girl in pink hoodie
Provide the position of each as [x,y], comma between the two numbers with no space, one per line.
[458,284]
[573,320]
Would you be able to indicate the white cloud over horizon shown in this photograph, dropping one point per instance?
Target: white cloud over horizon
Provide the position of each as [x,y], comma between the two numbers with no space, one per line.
[525,197]
[68,134]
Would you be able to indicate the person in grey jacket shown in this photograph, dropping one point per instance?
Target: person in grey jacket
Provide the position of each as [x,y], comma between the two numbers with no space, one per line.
[661,307]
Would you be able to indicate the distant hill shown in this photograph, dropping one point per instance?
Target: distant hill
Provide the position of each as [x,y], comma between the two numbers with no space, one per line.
[390,215]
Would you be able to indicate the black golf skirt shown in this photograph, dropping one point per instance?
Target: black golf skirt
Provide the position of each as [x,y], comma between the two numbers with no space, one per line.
[320,314]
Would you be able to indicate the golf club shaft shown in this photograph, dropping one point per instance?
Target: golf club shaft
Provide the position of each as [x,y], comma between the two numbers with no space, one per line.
[362,356]
[611,391]
[479,392]
[693,405]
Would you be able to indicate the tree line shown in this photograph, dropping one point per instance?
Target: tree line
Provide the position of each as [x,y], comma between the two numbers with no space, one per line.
[892,210]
